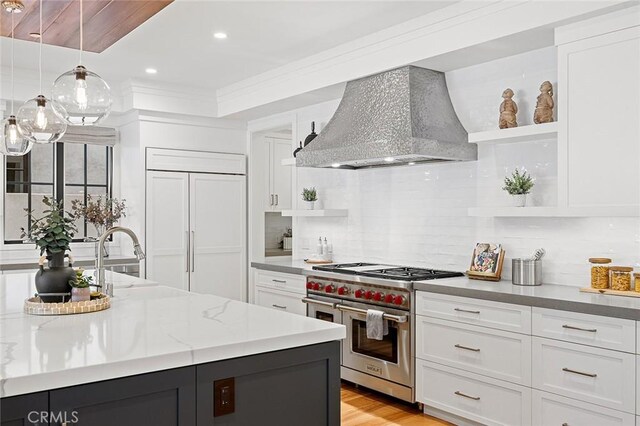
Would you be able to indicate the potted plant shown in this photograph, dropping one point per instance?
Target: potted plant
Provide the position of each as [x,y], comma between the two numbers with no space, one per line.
[80,290]
[102,212]
[309,196]
[518,186]
[52,233]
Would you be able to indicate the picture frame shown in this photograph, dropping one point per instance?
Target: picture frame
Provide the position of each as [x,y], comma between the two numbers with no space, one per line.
[486,262]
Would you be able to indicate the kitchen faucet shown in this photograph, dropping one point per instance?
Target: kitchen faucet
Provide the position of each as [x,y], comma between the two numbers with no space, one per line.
[107,288]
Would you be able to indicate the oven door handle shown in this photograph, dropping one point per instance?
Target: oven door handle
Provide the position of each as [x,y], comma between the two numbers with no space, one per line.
[394,318]
[318,302]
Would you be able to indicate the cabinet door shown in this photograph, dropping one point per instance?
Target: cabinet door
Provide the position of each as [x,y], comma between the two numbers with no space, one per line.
[31,409]
[167,230]
[166,398]
[281,174]
[598,113]
[269,196]
[218,235]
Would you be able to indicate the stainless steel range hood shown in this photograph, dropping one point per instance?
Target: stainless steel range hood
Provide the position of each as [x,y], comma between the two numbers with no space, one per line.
[400,116]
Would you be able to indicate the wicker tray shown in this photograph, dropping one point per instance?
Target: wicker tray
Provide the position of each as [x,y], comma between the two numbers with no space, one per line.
[35,306]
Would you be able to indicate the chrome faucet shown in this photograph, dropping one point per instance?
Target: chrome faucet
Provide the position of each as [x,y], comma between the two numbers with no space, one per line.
[107,288]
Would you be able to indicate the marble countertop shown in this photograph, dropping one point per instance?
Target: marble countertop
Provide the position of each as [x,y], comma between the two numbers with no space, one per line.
[287,266]
[551,296]
[148,328]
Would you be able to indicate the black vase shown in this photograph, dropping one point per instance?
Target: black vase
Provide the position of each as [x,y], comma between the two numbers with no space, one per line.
[55,279]
[311,136]
[295,153]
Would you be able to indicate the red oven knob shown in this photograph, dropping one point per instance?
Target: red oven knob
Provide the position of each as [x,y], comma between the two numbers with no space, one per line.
[317,286]
[310,285]
[378,296]
[368,294]
[329,289]
[359,293]
[399,300]
[389,298]
[342,291]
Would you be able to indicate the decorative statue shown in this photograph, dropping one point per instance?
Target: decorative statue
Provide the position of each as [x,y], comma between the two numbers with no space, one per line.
[508,111]
[544,106]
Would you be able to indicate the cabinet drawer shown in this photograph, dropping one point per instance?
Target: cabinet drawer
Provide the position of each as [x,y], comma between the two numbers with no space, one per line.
[282,301]
[550,409]
[502,316]
[498,354]
[280,281]
[474,397]
[594,330]
[595,375]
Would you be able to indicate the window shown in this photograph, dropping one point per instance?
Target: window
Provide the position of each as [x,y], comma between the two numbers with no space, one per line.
[67,171]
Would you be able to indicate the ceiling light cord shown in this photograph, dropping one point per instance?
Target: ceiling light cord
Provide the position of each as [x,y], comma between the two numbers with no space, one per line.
[12,76]
[40,53]
[81,32]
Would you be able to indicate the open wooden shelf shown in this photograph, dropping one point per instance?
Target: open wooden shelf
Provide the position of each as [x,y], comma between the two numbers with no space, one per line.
[529,133]
[614,211]
[316,213]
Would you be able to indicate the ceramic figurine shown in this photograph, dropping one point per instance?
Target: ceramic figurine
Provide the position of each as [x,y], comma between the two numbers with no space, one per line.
[508,111]
[544,106]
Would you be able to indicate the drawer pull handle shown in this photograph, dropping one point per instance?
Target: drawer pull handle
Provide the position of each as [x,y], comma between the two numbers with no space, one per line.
[568,370]
[280,281]
[467,311]
[467,348]
[475,398]
[565,424]
[279,307]
[571,327]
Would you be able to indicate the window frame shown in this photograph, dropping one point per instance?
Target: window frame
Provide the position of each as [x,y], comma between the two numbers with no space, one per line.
[59,183]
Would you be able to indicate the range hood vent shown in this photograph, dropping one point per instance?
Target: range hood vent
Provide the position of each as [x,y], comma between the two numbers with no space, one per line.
[397,117]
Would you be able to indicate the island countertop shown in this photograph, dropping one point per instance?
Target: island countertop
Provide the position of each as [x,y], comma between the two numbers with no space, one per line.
[148,328]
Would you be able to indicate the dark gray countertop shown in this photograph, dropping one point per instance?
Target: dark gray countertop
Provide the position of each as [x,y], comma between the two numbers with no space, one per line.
[562,297]
[19,264]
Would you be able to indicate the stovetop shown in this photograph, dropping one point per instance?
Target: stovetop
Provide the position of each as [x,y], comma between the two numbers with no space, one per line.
[390,272]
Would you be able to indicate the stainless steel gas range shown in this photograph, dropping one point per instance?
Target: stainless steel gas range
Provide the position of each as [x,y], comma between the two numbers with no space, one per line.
[342,293]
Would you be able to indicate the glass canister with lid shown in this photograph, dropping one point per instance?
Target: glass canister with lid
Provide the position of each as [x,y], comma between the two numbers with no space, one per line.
[636,281]
[600,272]
[621,278]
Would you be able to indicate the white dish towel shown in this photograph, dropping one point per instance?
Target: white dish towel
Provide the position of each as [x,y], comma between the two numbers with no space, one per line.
[377,327]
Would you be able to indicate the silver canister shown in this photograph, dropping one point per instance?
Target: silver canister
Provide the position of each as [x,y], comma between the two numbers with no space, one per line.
[526,271]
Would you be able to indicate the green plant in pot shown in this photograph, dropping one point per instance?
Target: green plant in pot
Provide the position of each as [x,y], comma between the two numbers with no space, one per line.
[309,196]
[80,287]
[518,185]
[52,234]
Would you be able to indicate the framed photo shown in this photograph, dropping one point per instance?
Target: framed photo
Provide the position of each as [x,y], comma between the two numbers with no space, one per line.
[486,262]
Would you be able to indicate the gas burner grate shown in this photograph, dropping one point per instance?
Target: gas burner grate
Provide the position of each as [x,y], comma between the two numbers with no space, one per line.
[409,274]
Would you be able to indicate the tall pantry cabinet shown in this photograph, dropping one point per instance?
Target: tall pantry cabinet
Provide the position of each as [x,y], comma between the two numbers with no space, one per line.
[196,221]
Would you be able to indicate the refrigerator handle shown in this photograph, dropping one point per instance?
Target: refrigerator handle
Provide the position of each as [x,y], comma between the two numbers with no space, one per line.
[193,251]
[188,250]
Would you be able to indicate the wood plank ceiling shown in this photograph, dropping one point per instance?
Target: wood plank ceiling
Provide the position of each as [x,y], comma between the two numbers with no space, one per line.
[105,21]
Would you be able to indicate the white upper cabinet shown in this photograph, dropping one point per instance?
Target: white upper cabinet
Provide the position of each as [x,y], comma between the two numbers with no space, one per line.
[278,196]
[598,110]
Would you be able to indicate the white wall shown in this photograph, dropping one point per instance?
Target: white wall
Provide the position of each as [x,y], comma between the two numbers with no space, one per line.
[418,214]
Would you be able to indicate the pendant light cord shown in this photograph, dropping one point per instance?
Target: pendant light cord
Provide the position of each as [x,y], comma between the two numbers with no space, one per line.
[81,32]
[12,76]
[40,53]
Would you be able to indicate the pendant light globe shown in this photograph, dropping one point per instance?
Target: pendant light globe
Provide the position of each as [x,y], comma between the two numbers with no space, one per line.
[39,122]
[14,144]
[81,97]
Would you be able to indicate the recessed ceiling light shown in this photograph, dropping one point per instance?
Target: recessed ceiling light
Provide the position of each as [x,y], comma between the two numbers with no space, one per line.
[151,71]
[220,35]
[335,165]
[389,159]
[34,35]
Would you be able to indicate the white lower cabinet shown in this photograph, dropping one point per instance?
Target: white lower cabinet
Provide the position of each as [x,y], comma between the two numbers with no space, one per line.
[280,300]
[594,375]
[498,354]
[474,397]
[551,409]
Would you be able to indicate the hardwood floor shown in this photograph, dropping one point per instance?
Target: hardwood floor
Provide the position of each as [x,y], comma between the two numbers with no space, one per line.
[361,406]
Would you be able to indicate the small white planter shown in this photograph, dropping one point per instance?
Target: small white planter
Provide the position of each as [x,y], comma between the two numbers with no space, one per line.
[287,243]
[519,200]
[80,294]
[309,205]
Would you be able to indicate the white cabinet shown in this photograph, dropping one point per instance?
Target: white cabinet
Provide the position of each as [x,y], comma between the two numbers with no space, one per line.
[280,291]
[196,225]
[474,397]
[551,409]
[498,354]
[598,110]
[278,196]
[594,375]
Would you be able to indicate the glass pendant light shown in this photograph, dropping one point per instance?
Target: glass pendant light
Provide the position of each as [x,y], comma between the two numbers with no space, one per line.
[14,143]
[84,96]
[37,116]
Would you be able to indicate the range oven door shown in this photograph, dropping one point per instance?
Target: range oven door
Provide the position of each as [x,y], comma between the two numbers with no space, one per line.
[389,358]
[323,308]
